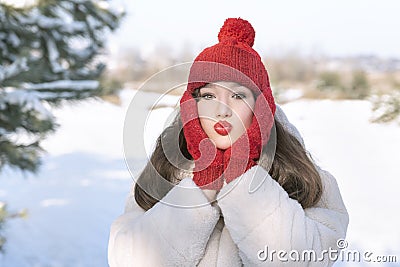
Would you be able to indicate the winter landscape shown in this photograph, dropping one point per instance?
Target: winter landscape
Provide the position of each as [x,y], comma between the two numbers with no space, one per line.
[82,186]
[63,64]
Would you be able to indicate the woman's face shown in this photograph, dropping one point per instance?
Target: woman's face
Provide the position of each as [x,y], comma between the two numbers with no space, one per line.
[225,111]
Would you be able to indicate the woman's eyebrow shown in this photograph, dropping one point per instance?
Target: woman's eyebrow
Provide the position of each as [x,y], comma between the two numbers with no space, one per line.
[241,89]
[233,88]
[208,89]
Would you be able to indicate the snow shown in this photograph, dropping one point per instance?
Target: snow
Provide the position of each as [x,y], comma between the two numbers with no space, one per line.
[51,23]
[290,94]
[66,24]
[64,84]
[15,68]
[14,40]
[93,23]
[44,22]
[53,56]
[27,101]
[82,53]
[83,183]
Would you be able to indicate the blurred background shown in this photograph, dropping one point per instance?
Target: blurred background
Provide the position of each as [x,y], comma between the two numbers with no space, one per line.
[69,70]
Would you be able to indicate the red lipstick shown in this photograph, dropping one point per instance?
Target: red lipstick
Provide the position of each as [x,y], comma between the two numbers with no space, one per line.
[223,127]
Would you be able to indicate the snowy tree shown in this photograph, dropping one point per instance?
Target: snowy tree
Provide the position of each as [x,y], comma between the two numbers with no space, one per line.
[386,108]
[49,54]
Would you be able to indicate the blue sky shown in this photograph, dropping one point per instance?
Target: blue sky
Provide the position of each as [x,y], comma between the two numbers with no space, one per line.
[330,27]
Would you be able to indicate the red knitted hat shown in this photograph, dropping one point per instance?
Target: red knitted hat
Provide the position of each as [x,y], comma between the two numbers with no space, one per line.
[237,61]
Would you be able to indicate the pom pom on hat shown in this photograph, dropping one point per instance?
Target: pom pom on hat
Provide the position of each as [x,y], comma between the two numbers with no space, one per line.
[237,29]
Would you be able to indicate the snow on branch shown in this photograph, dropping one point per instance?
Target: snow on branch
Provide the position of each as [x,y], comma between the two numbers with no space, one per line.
[28,101]
[14,40]
[14,69]
[64,85]
[52,23]
[115,11]
[53,56]
[53,96]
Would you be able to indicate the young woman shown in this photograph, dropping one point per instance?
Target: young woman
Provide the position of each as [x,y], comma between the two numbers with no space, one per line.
[239,187]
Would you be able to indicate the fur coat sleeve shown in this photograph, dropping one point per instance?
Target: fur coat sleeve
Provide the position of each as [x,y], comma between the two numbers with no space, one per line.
[266,219]
[165,235]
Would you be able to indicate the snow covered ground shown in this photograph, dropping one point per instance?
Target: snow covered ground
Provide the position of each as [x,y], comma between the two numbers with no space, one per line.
[83,183]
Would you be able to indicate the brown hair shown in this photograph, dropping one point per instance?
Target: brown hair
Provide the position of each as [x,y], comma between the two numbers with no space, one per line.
[292,167]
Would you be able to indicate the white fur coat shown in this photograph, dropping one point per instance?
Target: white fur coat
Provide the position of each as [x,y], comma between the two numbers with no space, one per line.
[243,229]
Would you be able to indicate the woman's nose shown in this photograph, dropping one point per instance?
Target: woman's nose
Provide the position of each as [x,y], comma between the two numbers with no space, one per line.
[223,110]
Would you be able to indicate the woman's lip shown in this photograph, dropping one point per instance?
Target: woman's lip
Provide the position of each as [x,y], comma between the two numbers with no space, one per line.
[223,127]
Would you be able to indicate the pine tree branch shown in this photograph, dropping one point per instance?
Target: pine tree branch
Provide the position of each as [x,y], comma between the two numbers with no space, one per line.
[48,55]
[24,157]
[14,69]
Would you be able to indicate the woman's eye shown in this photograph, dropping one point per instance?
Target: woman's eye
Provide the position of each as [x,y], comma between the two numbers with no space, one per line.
[207,96]
[239,96]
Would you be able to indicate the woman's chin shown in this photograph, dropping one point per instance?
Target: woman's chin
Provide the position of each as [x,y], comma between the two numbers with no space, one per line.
[223,144]
[224,147]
